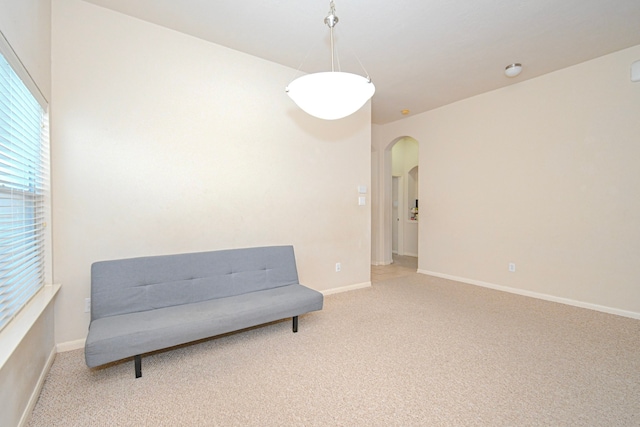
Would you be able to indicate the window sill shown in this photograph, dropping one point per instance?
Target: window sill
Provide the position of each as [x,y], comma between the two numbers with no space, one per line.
[13,334]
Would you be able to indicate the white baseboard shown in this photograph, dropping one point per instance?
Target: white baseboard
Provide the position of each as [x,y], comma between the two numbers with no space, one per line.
[382,261]
[36,391]
[70,345]
[346,288]
[546,297]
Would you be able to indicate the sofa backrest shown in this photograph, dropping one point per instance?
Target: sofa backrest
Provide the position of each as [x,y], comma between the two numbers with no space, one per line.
[146,283]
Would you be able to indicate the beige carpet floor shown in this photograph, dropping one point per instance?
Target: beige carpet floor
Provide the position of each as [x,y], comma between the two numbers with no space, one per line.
[410,351]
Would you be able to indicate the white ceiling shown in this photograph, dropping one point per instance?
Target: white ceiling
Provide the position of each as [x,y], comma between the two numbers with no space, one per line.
[420,54]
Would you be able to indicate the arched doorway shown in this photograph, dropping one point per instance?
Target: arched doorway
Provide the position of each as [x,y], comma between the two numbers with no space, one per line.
[394,164]
[404,197]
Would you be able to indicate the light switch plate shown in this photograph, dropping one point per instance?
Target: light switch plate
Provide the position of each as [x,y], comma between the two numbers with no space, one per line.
[362,201]
[362,189]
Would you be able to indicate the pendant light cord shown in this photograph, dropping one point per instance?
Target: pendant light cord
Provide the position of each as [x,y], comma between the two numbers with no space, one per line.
[331,20]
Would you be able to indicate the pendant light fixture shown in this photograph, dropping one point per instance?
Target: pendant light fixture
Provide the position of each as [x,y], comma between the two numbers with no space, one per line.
[333,94]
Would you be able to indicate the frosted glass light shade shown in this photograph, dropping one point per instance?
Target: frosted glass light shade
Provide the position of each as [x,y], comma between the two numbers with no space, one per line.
[331,95]
[513,70]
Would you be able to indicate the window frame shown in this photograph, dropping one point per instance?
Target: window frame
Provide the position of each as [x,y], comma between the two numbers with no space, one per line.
[28,186]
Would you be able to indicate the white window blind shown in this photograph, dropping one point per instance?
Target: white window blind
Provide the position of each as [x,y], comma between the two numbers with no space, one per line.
[24,186]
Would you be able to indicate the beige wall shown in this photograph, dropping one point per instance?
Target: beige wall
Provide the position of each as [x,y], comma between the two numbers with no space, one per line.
[543,174]
[164,143]
[23,374]
[26,26]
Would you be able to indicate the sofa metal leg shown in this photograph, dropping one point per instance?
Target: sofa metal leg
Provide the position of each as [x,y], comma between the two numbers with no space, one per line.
[295,323]
[138,363]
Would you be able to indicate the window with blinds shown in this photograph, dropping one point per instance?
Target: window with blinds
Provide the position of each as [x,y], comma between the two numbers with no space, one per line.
[24,172]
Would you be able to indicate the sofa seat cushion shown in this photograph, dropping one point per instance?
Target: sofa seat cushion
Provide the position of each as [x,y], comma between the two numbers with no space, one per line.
[121,336]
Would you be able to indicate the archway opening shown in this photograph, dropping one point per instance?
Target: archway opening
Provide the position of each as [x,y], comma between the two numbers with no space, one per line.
[404,186]
[395,217]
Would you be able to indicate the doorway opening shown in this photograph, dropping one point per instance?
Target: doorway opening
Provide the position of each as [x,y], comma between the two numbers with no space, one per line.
[404,223]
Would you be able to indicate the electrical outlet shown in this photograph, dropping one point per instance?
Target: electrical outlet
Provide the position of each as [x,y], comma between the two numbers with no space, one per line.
[87,305]
[338,267]
[512,267]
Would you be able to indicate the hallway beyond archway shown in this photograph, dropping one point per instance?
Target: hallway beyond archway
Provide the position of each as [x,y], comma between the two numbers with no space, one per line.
[402,266]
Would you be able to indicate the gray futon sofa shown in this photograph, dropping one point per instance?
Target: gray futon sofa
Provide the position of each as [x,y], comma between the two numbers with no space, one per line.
[140,305]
